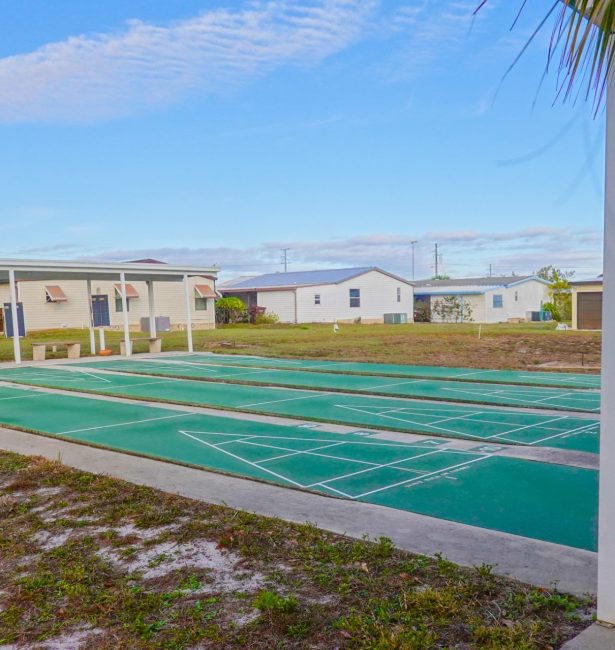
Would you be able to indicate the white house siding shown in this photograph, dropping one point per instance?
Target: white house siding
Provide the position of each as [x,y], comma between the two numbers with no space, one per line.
[476,303]
[530,296]
[281,303]
[378,293]
[169,299]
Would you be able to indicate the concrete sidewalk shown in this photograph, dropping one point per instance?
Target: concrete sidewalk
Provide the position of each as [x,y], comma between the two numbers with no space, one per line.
[529,560]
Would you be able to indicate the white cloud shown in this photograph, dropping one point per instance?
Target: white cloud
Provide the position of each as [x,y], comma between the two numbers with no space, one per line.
[107,75]
[464,253]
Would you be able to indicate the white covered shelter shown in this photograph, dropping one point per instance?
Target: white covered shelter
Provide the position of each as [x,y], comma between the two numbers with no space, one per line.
[13,271]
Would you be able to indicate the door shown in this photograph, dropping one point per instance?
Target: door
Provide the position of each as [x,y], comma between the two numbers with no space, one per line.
[589,310]
[8,317]
[100,311]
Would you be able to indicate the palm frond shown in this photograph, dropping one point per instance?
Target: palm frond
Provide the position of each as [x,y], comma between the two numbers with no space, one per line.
[583,39]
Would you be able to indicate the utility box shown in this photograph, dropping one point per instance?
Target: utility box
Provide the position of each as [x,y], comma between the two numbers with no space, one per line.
[395,319]
[163,324]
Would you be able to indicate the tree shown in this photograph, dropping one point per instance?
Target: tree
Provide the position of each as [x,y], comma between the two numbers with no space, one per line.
[231,310]
[452,309]
[581,34]
[440,276]
[560,304]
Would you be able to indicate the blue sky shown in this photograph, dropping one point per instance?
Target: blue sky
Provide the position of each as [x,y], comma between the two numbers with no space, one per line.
[341,129]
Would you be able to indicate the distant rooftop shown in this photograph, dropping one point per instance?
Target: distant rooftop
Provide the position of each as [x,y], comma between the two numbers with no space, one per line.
[493,281]
[301,278]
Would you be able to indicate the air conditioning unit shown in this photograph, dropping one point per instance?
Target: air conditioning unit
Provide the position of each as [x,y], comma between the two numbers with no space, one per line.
[163,324]
[395,319]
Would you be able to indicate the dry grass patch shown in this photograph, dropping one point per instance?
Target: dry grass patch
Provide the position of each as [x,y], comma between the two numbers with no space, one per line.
[92,562]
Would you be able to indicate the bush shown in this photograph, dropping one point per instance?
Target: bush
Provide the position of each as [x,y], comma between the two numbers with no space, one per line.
[266,318]
[231,310]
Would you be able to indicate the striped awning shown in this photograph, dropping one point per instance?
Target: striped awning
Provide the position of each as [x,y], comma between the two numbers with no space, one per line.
[55,294]
[131,292]
[204,291]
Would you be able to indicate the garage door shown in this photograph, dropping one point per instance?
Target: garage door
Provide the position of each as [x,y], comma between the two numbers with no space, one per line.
[589,310]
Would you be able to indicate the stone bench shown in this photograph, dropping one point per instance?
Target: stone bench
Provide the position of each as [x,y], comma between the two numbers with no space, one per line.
[155,344]
[39,349]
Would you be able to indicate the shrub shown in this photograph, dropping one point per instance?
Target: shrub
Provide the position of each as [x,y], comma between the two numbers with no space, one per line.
[231,310]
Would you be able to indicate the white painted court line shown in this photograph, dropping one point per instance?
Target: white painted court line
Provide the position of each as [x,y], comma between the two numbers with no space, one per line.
[3,399]
[287,399]
[418,478]
[575,432]
[346,441]
[448,432]
[398,383]
[527,426]
[309,452]
[377,467]
[124,424]
[243,460]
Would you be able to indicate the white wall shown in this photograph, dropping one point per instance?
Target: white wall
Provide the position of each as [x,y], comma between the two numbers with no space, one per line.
[281,303]
[517,301]
[169,300]
[378,293]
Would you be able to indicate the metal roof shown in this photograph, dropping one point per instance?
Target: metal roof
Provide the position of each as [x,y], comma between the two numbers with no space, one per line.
[597,280]
[80,270]
[495,281]
[301,278]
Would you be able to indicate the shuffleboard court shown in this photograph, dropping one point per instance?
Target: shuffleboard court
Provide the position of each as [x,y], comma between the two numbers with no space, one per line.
[563,430]
[553,503]
[433,389]
[483,375]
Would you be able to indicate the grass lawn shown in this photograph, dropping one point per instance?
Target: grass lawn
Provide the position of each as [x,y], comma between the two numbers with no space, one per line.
[91,560]
[500,346]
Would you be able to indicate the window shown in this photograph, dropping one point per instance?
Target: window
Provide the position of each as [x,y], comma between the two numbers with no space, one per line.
[516,296]
[498,301]
[118,304]
[355,297]
[200,304]
[398,294]
[317,299]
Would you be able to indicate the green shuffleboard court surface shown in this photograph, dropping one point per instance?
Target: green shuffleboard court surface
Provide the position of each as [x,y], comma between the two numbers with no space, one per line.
[566,431]
[433,389]
[483,375]
[553,503]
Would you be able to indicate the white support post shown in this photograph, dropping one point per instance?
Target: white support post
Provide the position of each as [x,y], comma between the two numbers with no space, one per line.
[88,285]
[188,314]
[152,309]
[14,318]
[127,345]
[606,519]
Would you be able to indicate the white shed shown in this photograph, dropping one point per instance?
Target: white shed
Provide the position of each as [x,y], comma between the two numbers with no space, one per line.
[345,295]
[485,300]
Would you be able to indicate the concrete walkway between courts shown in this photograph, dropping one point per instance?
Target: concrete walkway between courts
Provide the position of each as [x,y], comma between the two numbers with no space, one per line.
[529,560]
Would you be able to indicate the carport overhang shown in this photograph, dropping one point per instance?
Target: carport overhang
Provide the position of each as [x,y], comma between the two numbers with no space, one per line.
[13,271]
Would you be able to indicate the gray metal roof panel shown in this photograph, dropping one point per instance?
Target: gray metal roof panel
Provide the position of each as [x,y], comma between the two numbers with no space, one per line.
[298,278]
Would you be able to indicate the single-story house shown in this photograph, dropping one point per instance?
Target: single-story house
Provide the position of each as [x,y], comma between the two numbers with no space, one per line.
[587,304]
[63,302]
[483,300]
[325,296]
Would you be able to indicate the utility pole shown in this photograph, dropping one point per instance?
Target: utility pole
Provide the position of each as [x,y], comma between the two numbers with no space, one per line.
[436,258]
[413,242]
[285,258]
[489,270]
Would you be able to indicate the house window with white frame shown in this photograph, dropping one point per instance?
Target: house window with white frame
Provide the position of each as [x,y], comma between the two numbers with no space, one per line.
[516,296]
[398,294]
[317,299]
[355,297]
[498,301]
